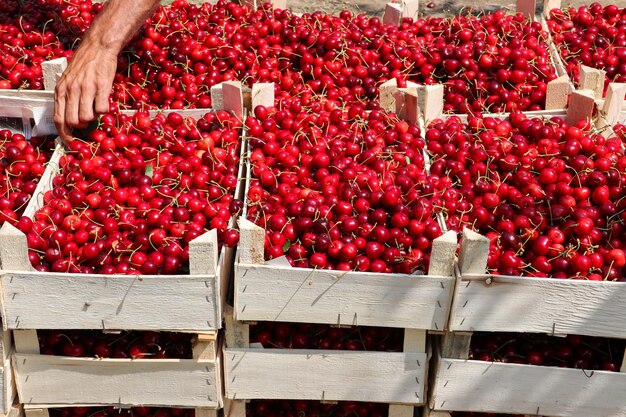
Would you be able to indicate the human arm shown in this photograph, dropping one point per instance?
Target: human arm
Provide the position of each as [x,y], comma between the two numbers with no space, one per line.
[83,90]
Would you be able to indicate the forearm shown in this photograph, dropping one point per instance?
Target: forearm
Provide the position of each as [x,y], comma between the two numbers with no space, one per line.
[117,23]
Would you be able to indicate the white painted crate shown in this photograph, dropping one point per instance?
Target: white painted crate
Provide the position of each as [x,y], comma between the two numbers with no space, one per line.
[36,300]
[397,378]
[45,381]
[460,384]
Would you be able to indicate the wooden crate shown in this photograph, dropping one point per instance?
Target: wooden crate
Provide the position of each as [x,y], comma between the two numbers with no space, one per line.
[35,300]
[460,384]
[323,375]
[45,381]
[7,385]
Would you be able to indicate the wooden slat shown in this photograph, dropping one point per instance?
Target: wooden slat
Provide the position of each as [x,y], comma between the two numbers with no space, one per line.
[518,304]
[274,293]
[53,380]
[74,301]
[525,389]
[328,375]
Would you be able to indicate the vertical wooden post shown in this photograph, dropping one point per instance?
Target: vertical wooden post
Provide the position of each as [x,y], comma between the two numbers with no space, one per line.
[251,242]
[581,105]
[406,104]
[431,101]
[442,255]
[233,97]
[609,114]
[237,335]
[26,341]
[592,79]
[205,349]
[217,97]
[387,95]
[203,254]
[262,95]
[395,12]
[13,249]
[557,93]
[473,253]
[527,8]
[51,71]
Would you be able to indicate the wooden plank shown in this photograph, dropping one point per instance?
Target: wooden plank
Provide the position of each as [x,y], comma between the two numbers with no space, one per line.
[611,108]
[581,105]
[36,412]
[262,95]
[473,253]
[204,254]
[51,70]
[325,375]
[387,95]
[399,410]
[113,302]
[275,293]
[26,341]
[431,101]
[442,255]
[205,346]
[406,105]
[8,390]
[526,389]
[234,408]
[54,380]
[392,14]
[557,93]
[551,306]
[592,79]
[251,240]
[233,97]
[236,333]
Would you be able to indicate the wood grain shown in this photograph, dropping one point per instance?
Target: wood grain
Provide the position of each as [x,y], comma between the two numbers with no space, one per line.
[551,306]
[328,375]
[525,389]
[75,301]
[274,293]
[53,380]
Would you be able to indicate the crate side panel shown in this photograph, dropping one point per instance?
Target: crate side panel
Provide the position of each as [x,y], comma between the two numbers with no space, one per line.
[75,301]
[333,297]
[551,306]
[524,389]
[61,380]
[327,375]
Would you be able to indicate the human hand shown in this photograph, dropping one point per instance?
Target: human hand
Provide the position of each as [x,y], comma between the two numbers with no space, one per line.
[83,90]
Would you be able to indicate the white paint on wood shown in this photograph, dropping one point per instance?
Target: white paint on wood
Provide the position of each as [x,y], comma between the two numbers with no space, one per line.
[525,389]
[206,412]
[50,70]
[592,79]
[414,340]
[325,375]
[13,248]
[431,413]
[36,412]
[55,380]
[251,242]
[7,391]
[335,297]
[557,93]
[32,300]
[442,255]
[551,306]
[410,8]
[262,95]
[45,183]
[581,105]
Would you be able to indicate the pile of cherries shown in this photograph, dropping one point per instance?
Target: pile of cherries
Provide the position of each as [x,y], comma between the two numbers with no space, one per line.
[121,412]
[302,408]
[123,345]
[130,198]
[550,197]
[594,36]
[322,336]
[340,189]
[22,163]
[581,352]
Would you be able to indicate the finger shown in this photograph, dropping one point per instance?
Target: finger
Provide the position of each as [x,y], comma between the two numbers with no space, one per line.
[63,129]
[72,102]
[85,109]
[102,97]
